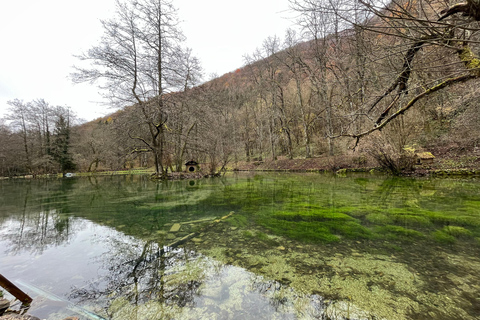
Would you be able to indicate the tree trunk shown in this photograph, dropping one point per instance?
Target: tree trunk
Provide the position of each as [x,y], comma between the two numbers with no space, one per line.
[272,139]
[330,130]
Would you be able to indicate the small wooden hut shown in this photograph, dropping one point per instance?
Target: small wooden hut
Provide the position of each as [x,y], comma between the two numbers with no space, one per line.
[192,166]
[425,158]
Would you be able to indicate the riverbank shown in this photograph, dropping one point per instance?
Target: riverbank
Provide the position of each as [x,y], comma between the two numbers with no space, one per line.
[451,166]
[442,165]
[331,164]
[141,171]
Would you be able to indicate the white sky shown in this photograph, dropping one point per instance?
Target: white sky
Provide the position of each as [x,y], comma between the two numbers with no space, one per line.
[38,39]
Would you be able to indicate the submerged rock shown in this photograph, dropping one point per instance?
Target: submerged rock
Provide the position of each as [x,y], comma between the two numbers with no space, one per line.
[4,304]
[175,227]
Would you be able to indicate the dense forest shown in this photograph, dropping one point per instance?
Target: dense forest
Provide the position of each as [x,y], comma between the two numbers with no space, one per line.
[356,79]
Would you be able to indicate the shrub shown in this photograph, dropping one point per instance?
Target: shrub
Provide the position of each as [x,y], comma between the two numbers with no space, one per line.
[392,161]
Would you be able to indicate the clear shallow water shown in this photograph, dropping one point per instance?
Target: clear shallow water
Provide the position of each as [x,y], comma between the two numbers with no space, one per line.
[304,246]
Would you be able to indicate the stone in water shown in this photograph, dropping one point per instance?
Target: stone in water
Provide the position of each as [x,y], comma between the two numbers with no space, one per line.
[175,227]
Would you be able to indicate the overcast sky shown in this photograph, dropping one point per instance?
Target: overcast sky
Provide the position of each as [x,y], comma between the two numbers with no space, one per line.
[39,38]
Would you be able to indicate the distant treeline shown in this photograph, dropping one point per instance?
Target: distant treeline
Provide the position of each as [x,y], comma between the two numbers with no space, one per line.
[363,76]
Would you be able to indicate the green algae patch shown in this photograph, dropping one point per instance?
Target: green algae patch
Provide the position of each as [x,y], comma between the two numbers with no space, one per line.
[457,232]
[307,231]
[443,237]
[471,207]
[314,215]
[393,232]
[365,210]
[379,218]
[184,274]
[453,218]
[349,229]
[222,291]
[412,220]
[316,231]
[247,234]
[238,221]
[360,286]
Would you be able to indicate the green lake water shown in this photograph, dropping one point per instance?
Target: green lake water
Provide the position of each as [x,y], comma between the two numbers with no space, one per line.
[289,246]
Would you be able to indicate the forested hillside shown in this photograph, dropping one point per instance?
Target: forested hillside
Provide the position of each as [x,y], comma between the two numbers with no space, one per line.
[354,82]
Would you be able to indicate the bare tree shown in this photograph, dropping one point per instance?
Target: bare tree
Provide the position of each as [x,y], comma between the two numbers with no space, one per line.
[38,123]
[294,61]
[217,137]
[137,62]
[19,111]
[412,34]
[184,115]
[10,151]
[42,118]
[268,96]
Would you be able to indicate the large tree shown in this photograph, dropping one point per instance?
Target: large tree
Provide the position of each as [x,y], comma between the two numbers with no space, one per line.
[423,48]
[137,63]
[61,141]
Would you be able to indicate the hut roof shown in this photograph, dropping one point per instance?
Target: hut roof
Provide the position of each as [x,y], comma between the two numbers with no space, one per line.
[425,155]
[191,163]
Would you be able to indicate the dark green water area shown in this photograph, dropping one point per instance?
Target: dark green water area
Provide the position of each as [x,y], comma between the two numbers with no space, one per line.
[295,246]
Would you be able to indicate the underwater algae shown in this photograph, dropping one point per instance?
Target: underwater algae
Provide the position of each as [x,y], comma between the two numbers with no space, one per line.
[298,247]
[375,285]
[390,223]
[226,292]
[318,246]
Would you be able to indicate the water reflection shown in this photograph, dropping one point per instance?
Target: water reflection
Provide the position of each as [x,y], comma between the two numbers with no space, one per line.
[35,216]
[182,284]
[298,246]
[37,232]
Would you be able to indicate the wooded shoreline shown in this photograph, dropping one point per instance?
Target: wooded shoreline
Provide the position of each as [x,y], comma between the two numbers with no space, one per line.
[338,165]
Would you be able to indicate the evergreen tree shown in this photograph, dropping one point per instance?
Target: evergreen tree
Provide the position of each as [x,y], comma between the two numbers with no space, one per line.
[61,144]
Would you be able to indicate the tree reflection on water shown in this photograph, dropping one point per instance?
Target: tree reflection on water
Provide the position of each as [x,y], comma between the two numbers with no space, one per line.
[144,281]
[139,273]
[396,248]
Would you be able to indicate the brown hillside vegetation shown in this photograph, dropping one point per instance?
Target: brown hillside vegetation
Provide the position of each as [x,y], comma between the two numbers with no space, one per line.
[361,80]
[299,98]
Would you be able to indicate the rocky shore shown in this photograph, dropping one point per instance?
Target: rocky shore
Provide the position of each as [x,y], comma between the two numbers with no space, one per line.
[6,314]
[16,316]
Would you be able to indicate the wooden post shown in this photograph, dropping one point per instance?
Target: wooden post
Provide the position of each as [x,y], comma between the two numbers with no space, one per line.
[14,290]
